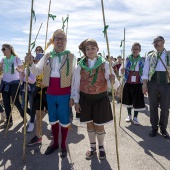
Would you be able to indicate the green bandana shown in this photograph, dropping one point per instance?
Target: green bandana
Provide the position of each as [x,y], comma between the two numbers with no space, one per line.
[7,64]
[55,54]
[134,61]
[99,62]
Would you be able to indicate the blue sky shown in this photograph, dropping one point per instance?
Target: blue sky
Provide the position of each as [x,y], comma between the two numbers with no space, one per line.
[143,21]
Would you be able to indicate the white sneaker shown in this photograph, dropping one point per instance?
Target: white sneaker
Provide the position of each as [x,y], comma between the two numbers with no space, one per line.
[30,127]
[135,121]
[129,118]
[28,122]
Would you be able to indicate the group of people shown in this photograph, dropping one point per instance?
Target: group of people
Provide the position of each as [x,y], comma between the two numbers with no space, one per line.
[55,80]
[149,77]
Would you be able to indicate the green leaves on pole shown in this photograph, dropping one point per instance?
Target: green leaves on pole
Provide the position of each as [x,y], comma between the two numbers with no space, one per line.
[121,43]
[52,16]
[105,28]
[32,45]
[33,15]
[64,22]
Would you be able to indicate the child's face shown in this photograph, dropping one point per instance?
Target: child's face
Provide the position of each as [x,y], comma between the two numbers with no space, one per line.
[91,51]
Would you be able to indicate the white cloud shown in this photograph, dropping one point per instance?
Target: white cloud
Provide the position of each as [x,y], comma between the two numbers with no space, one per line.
[143,21]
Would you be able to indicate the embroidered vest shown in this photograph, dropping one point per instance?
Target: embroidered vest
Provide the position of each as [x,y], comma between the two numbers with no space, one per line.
[66,65]
[153,62]
[128,65]
[98,87]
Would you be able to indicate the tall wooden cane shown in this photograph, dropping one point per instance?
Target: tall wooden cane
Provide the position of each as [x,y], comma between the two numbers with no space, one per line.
[113,103]
[44,53]
[36,37]
[67,25]
[11,110]
[122,79]
[26,87]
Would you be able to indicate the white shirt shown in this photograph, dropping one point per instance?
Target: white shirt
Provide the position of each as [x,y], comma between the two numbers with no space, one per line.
[8,77]
[159,66]
[75,90]
[37,69]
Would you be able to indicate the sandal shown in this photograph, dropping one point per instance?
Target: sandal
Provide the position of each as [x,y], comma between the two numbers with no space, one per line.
[102,153]
[90,153]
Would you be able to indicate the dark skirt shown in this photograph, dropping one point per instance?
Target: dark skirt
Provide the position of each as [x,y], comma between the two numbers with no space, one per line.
[133,96]
[95,108]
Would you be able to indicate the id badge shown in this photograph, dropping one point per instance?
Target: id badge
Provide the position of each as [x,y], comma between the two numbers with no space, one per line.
[133,79]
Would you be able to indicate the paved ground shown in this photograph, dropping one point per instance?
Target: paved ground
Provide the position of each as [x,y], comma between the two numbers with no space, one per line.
[137,151]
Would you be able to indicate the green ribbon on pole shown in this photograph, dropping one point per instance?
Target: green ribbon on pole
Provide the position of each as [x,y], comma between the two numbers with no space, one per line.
[32,45]
[121,43]
[105,28]
[52,16]
[64,22]
[33,15]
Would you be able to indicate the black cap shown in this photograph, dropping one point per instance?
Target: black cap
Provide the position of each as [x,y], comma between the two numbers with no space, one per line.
[158,37]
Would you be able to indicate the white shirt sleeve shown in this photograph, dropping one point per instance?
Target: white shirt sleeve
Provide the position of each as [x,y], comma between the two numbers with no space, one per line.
[107,73]
[75,89]
[145,75]
[37,69]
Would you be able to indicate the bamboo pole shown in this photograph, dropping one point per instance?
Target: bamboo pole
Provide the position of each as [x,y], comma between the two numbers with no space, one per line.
[37,34]
[41,86]
[67,25]
[63,23]
[122,78]
[113,103]
[26,87]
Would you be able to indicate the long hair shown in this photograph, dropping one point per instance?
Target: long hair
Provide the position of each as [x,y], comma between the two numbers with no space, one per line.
[10,47]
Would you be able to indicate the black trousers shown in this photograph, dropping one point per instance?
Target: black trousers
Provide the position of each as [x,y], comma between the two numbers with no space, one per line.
[6,100]
[159,94]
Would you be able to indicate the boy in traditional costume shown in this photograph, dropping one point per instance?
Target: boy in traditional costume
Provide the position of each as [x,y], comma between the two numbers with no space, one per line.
[132,91]
[92,77]
[58,66]
[156,79]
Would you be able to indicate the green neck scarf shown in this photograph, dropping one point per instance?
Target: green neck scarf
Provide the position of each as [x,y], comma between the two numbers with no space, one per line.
[55,54]
[99,62]
[134,61]
[8,62]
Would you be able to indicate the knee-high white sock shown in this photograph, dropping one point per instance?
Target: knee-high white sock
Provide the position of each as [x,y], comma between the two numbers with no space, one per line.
[100,137]
[92,138]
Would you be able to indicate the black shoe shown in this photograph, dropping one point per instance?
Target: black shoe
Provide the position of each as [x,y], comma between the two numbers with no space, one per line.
[50,150]
[90,153]
[4,126]
[153,133]
[34,140]
[63,153]
[165,134]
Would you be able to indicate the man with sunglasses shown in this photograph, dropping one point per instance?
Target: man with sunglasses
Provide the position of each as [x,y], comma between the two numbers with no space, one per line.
[58,66]
[156,84]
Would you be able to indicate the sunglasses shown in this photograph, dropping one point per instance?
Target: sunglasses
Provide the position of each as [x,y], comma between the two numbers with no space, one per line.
[58,39]
[3,49]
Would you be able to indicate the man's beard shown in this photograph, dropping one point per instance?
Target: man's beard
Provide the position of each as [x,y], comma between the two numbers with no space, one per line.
[60,49]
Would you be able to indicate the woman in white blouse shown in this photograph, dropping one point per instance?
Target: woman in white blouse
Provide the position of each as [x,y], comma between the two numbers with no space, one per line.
[10,81]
